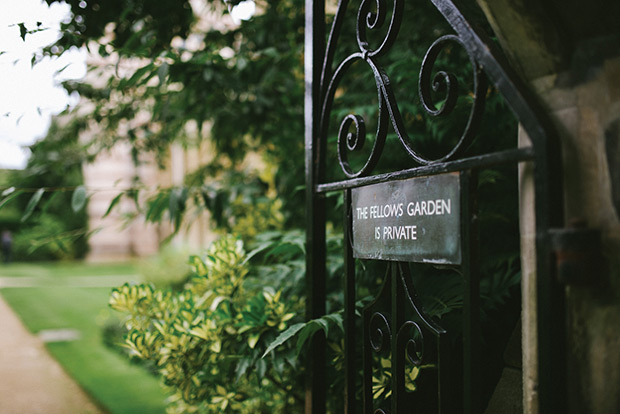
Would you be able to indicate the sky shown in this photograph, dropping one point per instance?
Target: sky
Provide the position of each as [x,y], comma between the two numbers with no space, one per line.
[29,96]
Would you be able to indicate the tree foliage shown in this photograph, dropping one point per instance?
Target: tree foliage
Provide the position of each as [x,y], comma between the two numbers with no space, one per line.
[239,84]
[35,200]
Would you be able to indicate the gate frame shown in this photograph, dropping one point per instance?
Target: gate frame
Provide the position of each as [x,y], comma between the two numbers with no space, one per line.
[544,153]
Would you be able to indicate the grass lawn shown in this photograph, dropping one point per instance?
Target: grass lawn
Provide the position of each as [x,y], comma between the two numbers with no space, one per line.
[66,269]
[109,378]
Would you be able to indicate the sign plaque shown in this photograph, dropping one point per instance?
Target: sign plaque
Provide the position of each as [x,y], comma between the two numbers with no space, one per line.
[414,220]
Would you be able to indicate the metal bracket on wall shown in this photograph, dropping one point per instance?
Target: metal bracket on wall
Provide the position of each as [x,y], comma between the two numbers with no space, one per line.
[578,256]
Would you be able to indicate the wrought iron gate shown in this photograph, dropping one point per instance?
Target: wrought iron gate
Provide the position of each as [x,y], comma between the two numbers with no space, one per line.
[395,327]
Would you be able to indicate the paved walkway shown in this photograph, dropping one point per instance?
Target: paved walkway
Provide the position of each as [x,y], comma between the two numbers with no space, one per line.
[31,381]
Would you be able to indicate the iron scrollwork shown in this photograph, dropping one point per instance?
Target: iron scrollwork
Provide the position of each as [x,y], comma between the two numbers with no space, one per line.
[388,110]
[380,335]
[401,338]
[414,338]
[448,82]
[411,341]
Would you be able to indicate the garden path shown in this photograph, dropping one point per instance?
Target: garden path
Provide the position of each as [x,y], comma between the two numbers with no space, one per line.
[31,381]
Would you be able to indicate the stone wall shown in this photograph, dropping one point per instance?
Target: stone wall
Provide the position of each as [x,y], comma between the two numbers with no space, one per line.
[569,54]
[587,115]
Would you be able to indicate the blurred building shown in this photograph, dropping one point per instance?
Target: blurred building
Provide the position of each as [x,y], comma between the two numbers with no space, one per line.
[123,233]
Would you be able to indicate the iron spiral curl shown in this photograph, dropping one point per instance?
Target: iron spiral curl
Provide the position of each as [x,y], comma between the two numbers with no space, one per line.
[350,141]
[369,20]
[448,83]
[442,81]
[411,340]
[354,141]
[380,335]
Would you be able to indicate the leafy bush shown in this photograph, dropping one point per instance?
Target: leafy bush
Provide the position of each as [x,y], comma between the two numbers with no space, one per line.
[208,340]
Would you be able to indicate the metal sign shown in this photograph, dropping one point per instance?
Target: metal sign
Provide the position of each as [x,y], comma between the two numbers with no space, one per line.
[415,220]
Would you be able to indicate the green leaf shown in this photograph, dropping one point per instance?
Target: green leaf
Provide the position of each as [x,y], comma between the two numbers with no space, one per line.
[322,323]
[261,368]
[162,72]
[59,71]
[78,200]
[49,202]
[176,205]
[156,206]
[253,340]
[173,203]
[34,201]
[113,203]
[10,195]
[137,76]
[284,336]
[22,31]
[242,367]
[336,319]
[306,333]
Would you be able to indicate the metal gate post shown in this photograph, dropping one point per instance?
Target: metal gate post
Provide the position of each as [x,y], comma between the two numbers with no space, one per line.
[315,208]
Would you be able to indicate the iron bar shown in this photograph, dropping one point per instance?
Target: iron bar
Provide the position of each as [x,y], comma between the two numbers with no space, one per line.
[398,355]
[471,296]
[315,206]
[482,161]
[350,353]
